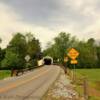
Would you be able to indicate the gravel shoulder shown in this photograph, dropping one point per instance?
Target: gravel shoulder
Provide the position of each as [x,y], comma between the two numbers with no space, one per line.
[62,89]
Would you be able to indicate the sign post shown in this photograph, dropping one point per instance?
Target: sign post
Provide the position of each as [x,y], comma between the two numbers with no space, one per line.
[73,54]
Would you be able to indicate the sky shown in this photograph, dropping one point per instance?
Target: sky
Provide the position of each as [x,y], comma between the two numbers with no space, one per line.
[46,18]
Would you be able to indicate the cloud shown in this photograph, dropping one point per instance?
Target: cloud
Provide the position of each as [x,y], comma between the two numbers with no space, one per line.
[49,17]
[10,23]
[93,30]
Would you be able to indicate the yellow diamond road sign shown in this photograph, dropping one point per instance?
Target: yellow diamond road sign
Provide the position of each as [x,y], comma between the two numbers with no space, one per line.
[73,53]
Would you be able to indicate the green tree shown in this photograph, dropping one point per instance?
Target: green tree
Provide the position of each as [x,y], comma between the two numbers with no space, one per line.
[87,57]
[33,48]
[91,42]
[98,56]
[2,55]
[15,53]
[12,60]
[18,45]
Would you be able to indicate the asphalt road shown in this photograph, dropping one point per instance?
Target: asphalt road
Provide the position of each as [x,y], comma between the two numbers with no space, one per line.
[30,86]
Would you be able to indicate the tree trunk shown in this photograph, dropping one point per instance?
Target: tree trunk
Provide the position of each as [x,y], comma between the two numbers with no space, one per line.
[12,72]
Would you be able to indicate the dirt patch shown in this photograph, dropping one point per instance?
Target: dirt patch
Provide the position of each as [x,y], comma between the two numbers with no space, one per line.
[97,85]
[93,92]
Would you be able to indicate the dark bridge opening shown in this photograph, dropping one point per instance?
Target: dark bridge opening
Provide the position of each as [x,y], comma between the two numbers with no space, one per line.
[47,61]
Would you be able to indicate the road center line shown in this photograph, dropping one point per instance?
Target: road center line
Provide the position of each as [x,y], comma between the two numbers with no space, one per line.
[13,85]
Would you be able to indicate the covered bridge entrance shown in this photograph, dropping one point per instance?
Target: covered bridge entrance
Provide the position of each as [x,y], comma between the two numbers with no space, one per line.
[48,60]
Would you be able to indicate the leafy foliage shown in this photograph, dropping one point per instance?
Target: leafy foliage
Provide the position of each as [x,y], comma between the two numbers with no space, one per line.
[12,61]
[33,48]
[18,48]
[13,57]
[89,52]
[87,57]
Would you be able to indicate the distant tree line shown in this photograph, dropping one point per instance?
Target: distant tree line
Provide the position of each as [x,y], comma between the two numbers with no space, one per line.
[89,50]
[13,57]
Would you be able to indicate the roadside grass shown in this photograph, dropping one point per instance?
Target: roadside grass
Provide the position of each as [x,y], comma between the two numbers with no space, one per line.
[93,79]
[91,74]
[4,74]
[94,98]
